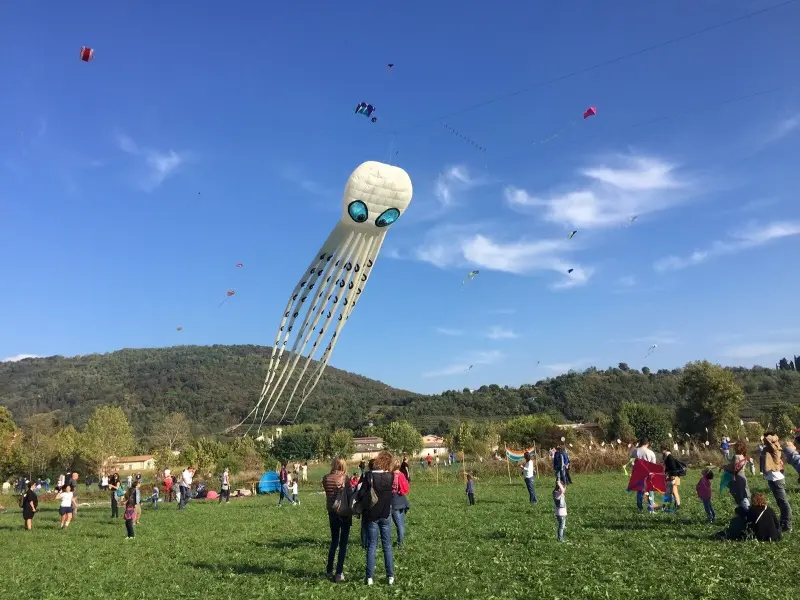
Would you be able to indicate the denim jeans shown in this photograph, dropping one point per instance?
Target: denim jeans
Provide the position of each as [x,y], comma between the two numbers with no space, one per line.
[531,489]
[285,494]
[561,476]
[399,518]
[340,533]
[364,534]
[184,497]
[640,501]
[709,511]
[562,524]
[779,491]
[382,527]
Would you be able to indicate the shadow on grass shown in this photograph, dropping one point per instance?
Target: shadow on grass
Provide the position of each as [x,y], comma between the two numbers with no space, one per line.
[225,570]
[302,542]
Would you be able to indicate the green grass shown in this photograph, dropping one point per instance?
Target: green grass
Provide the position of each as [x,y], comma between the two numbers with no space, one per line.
[501,548]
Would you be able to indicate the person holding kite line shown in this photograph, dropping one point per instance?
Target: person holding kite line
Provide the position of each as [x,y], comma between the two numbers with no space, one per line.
[643,452]
[528,471]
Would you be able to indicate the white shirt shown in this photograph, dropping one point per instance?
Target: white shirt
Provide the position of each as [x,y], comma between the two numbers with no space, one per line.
[774,476]
[294,487]
[644,454]
[527,469]
[104,481]
[186,477]
[66,499]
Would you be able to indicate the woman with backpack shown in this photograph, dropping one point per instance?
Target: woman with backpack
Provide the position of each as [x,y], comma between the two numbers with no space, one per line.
[113,485]
[375,499]
[29,503]
[335,485]
[673,469]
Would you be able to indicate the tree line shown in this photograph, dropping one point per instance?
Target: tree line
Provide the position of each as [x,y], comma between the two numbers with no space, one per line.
[710,407]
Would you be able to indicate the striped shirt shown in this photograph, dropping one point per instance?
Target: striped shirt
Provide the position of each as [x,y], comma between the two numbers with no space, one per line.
[332,483]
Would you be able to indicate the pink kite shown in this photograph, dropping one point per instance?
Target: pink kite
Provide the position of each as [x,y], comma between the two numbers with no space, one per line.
[590,112]
[647,477]
[239,265]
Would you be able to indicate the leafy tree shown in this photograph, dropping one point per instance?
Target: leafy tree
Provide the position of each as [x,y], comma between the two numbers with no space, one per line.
[753,431]
[340,443]
[712,399]
[539,430]
[12,461]
[172,432]
[643,420]
[66,448]
[164,459]
[37,443]
[401,437]
[108,433]
[302,445]
[7,424]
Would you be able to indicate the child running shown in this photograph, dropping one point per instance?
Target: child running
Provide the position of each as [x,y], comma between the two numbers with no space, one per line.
[68,505]
[560,500]
[704,493]
[470,489]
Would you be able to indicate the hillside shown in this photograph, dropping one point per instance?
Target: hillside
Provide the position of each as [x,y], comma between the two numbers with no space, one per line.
[215,386]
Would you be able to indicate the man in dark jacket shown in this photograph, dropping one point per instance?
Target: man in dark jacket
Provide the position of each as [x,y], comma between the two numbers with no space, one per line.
[673,471]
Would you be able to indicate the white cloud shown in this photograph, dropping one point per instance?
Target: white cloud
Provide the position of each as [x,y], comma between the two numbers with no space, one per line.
[759,350]
[452,180]
[503,311]
[660,338]
[462,366]
[784,128]
[751,237]
[19,357]
[497,332]
[638,185]
[461,246]
[564,367]
[160,165]
[446,331]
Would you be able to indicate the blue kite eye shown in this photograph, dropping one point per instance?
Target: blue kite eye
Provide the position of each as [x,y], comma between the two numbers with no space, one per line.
[358,211]
[387,217]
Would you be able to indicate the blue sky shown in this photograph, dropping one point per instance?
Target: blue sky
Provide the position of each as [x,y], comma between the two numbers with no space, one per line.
[197,138]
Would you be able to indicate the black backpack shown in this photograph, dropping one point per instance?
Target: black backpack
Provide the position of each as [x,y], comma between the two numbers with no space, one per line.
[681,469]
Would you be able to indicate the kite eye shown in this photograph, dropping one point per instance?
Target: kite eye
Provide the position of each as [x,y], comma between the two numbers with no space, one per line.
[387,217]
[358,211]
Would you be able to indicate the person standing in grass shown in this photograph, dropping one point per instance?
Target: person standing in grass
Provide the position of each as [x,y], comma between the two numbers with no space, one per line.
[185,487]
[294,491]
[560,500]
[470,489]
[528,471]
[739,487]
[29,504]
[672,469]
[772,468]
[400,504]
[283,478]
[703,489]
[130,508]
[642,452]
[225,487]
[68,505]
[332,483]
[137,510]
[377,516]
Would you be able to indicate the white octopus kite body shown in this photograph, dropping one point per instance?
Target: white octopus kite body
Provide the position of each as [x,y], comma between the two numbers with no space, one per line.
[375,196]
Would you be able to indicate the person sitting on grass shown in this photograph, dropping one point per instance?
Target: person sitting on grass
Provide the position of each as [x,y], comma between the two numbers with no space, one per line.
[763,520]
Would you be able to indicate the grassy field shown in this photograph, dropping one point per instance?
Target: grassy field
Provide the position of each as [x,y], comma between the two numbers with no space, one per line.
[501,548]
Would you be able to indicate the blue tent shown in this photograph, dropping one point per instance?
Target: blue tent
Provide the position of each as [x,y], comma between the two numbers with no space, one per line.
[269,483]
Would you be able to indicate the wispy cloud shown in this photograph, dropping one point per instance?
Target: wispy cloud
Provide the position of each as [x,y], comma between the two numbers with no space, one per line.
[446,331]
[452,180]
[785,127]
[462,366]
[462,246]
[296,175]
[627,281]
[609,195]
[746,239]
[159,164]
[498,332]
[19,357]
[776,350]
[564,367]
[503,311]
[659,337]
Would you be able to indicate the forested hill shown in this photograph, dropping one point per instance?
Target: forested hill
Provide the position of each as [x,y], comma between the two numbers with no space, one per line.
[215,386]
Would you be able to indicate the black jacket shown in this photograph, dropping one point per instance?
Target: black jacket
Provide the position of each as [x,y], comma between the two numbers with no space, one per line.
[382,481]
[767,529]
[671,466]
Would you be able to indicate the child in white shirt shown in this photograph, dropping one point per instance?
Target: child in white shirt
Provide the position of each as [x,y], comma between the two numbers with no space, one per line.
[560,500]
[294,491]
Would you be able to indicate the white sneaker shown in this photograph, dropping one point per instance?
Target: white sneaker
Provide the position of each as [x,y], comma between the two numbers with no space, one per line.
[391,580]
[339,578]
[369,581]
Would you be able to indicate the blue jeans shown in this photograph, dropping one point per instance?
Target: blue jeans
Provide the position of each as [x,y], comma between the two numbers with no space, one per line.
[531,489]
[562,524]
[384,528]
[561,476]
[779,491]
[640,501]
[399,518]
[285,494]
[709,511]
[340,533]
[184,497]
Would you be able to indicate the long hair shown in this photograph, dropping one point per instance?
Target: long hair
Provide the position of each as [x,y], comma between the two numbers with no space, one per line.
[384,461]
[338,465]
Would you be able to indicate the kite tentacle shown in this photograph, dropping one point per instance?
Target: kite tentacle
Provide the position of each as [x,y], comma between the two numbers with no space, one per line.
[317,309]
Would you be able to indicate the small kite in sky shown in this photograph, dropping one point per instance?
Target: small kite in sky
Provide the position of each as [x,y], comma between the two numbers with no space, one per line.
[365,109]
[570,270]
[651,350]
[391,66]
[374,119]
[569,237]
[228,294]
[590,112]
[239,265]
[470,276]
[179,328]
[87,54]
